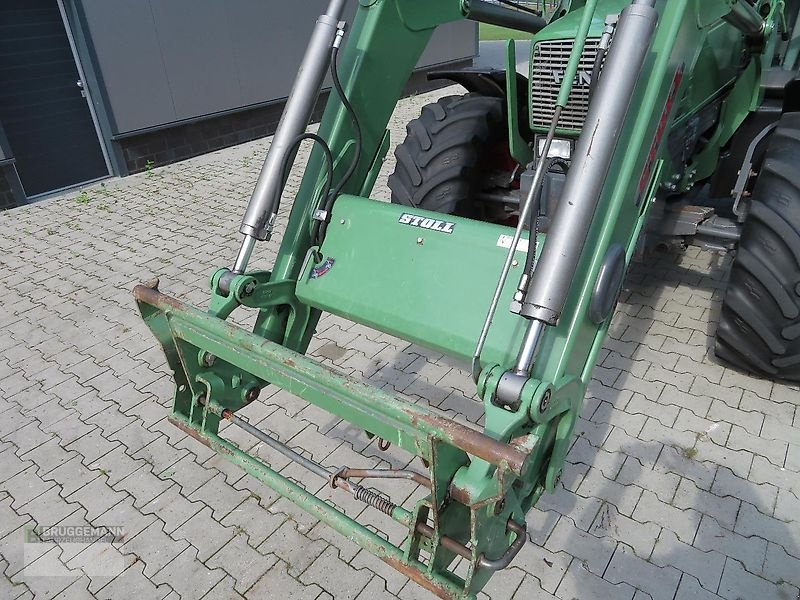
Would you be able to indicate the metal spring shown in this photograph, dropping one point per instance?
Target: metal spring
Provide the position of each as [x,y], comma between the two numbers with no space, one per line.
[375,500]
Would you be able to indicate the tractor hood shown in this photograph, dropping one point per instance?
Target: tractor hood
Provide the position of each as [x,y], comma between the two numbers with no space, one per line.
[566,26]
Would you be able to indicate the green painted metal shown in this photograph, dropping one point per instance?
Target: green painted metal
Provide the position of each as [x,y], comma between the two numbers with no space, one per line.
[428,279]
[518,148]
[440,307]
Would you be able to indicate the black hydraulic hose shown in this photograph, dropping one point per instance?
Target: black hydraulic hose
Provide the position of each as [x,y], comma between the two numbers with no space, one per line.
[596,69]
[530,255]
[287,164]
[318,233]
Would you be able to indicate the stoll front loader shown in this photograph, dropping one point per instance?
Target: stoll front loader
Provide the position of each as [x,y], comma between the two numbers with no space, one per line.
[516,211]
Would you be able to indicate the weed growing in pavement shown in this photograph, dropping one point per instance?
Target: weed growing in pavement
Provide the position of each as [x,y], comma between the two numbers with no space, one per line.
[690,453]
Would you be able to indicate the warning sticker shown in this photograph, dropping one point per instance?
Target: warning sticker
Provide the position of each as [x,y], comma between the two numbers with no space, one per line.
[504,241]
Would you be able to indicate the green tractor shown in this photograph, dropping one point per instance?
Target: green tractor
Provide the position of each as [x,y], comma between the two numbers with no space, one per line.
[516,211]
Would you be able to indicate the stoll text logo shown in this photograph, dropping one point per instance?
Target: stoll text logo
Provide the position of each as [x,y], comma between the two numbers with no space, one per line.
[426,223]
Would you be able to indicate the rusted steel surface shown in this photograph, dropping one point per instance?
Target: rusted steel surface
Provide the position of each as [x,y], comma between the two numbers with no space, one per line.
[424,421]
[414,573]
[474,442]
[449,543]
[419,478]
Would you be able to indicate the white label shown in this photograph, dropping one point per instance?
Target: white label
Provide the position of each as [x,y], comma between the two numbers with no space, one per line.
[504,241]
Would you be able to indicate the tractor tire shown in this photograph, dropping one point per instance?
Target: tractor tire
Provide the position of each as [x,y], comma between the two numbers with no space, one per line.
[759,328]
[446,153]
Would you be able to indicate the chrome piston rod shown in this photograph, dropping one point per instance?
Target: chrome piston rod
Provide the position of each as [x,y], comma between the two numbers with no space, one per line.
[557,267]
[259,218]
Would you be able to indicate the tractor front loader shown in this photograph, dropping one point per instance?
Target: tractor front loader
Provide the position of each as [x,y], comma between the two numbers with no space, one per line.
[516,211]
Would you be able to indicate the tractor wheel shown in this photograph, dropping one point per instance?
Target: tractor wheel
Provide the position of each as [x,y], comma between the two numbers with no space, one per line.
[759,329]
[448,153]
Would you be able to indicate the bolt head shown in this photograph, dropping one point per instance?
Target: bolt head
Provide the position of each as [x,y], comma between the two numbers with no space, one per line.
[514,263]
[342,221]
[420,241]
[209,359]
[545,403]
[252,394]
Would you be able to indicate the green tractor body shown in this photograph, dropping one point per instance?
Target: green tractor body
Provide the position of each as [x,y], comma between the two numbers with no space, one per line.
[516,211]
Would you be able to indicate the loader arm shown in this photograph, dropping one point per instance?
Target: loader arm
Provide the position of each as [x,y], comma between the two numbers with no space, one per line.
[365,260]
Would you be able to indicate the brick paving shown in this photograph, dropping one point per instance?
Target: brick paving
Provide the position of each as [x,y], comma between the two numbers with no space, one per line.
[682,482]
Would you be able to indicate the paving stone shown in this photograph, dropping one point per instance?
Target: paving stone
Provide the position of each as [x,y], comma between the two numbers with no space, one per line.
[28,437]
[190,578]
[77,591]
[683,522]
[291,546]
[25,486]
[623,497]
[132,584]
[581,510]
[375,590]
[548,567]
[242,562]
[96,497]
[723,509]
[641,537]
[738,584]
[750,551]
[49,456]
[780,567]
[225,590]
[690,589]
[134,437]
[580,583]
[672,396]
[663,485]
[143,485]
[335,576]
[750,523]
[172,508]
[49,507]
[154,547]
[205,533]
[279,579]
[625,567]
[631,423]
[12,548]
[647,452]
[390,579]
[125,516]
[188,474]
[773,450]
[764,471]
[706,567]
[531,589]
[684,462]
[593,551]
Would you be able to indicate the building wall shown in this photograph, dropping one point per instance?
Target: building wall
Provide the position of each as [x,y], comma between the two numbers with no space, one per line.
[171,79]
[165,62]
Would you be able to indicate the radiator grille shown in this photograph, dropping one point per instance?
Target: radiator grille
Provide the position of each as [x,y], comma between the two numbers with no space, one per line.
[548,65]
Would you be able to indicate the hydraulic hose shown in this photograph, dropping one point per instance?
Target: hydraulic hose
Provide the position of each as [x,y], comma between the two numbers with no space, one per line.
[320,226]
